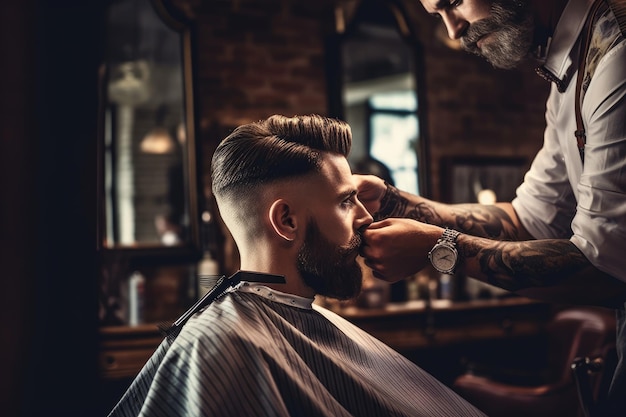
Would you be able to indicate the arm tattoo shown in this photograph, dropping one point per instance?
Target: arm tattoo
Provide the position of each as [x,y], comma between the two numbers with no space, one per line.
[392,204]
[484,221]
[514,266]
[509,265]
[425,212]
[473,219]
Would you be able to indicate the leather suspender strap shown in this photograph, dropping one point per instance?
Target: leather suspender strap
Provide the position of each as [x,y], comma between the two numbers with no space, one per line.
[618,7]
[581,137]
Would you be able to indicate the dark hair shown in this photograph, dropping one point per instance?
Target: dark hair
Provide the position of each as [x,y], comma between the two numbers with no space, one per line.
[276,148]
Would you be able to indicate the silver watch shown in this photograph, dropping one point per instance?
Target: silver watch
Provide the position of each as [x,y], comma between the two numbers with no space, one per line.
[444,256]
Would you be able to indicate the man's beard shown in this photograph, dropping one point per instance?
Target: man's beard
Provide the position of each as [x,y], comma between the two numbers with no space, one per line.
[329,270]
[511,30]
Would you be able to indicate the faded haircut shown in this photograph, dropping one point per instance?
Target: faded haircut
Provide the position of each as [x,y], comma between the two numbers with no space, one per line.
[277,148]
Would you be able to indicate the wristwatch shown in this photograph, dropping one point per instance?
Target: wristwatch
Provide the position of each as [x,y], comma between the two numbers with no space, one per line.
[444,256]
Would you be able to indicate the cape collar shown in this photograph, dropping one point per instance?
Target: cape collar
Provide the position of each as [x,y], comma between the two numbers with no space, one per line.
[273,295]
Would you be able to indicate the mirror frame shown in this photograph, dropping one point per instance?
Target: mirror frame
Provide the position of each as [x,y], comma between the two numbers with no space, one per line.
[334,76]
[190,250]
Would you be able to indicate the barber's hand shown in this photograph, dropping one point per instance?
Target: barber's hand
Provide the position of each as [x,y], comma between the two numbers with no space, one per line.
[397,248]
[370,190]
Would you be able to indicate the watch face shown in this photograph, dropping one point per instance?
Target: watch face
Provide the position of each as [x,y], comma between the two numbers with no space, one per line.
[443,258]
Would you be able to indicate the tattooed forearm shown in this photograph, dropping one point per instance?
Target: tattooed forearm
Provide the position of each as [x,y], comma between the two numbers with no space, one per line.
[474,219]
[425,212]
[484,221]
[392,204]
[516,266]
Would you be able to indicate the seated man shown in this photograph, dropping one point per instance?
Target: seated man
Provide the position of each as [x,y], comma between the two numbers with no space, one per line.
[286,193]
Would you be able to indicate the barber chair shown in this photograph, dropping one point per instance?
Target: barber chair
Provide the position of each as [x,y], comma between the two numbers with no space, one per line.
[580,362]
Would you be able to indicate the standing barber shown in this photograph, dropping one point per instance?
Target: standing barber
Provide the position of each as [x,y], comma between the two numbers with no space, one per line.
[563,238]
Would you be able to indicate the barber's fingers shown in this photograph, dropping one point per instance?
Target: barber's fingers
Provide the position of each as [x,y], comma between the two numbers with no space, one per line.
[370,186]
[370,189]
[376,267]
[382,232]
[381,224]
[389,271]
[373,238]
[395,248]
[372,250]
[377,249]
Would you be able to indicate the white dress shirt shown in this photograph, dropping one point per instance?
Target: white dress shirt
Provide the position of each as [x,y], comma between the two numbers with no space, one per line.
[561,198]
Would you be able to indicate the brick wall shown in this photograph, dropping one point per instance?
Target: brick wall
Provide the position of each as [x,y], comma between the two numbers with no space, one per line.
[257,58]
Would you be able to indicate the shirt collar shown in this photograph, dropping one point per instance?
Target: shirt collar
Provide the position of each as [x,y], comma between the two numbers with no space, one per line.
[558,66]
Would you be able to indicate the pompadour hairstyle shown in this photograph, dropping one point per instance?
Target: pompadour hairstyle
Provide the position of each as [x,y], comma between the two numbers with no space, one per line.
[275,148]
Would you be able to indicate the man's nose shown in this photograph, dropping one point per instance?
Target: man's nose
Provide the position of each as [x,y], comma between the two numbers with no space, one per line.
[455,24]
[364,218]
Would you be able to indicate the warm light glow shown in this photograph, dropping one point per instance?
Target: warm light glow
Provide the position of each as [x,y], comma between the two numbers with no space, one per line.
[486,197]
[157,141]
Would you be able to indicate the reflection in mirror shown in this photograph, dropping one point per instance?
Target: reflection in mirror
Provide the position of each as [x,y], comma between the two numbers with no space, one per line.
[146,132]
[379,92]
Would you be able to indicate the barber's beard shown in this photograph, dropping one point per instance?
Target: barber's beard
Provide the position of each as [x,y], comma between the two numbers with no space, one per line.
[511,30]
[329,270]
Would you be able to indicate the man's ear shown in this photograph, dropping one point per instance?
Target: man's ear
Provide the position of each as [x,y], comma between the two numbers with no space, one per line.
[283,219]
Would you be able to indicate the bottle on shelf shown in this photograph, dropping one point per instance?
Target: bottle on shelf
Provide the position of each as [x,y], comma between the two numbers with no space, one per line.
[136,295]
[208,267]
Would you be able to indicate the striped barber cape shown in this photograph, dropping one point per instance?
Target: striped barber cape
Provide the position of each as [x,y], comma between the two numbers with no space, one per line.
[258,352]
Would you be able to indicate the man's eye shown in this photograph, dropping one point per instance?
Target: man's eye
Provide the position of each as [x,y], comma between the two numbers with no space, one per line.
[452,5]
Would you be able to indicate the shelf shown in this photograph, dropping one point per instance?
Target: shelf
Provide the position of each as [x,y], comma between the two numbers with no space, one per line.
[403,326]
[442,323]
[125,349]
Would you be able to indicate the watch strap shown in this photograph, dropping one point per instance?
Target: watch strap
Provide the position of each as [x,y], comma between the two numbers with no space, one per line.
[448,239]
[449,235]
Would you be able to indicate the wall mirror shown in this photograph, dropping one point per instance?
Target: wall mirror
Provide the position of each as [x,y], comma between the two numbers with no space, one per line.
[375,85]
[148,147]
